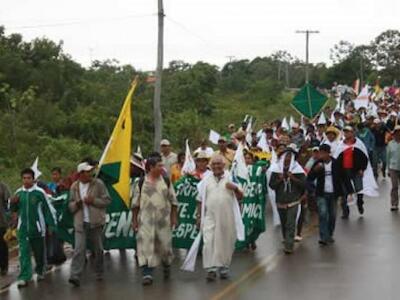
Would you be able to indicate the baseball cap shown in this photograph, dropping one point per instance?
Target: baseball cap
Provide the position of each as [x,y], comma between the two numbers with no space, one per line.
[84,167]
[222,139]
[201,155]
[165,142]
[348,128]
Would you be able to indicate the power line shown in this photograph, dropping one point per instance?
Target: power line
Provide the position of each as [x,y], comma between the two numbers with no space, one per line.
[199,37]
[79,22]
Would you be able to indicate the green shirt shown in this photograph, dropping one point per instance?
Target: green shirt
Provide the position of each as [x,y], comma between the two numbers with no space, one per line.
[34,212]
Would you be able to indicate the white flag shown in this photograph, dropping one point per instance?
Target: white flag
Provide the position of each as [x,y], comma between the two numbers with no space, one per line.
[362,99]
[139,151]
[263,144]
[249,130]
[322,119]
[239,168]
[189,166]
[291,122]
[214,137]
[35,168]
[285,124]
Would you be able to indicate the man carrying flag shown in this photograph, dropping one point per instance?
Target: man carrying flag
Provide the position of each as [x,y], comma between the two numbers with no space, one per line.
[88,202]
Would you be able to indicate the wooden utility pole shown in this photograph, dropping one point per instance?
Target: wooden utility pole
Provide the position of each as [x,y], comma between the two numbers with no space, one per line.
[157,91]
[307,32]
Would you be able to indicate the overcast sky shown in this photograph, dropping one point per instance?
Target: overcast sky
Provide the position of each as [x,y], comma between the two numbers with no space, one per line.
[207,30]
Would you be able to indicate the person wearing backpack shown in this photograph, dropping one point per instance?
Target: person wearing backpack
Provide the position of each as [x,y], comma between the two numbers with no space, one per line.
[154,207]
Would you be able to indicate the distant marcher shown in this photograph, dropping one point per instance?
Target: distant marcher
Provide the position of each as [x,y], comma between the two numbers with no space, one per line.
[332,138]
[288,181]
[55,180]
[393,161]
[367,137]
[379,155]
[297,136]
[55,246]
[205,148]
[202,160]
[169,158]
[352,164]
[225,152]
[89,199]
[4,198]
[176,169]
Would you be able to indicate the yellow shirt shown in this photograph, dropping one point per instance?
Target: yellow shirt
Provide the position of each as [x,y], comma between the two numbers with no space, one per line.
[176,172]
[228,156]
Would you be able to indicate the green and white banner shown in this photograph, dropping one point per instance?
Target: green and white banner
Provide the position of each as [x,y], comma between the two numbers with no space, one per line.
[118,233]
[253,205]
[186,193]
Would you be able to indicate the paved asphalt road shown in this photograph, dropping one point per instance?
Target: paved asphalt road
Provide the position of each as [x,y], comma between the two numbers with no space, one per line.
[362,264]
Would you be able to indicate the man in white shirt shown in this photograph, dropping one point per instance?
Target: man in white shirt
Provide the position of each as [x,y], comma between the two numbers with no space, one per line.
[88,201]
[168,157]
[327,190]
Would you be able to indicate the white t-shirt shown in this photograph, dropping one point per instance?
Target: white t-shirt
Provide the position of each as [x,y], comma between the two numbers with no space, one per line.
[328,178]
[83,190]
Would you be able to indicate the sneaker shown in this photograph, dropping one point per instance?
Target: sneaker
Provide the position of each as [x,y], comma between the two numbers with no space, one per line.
[22,283]
[394,208]
[323,243]
[147,280]
[346,212]
[224,273]
[40,277]
[253,246]
[167,272]
[298,238]
[211,276]
[99,277]
[331,240]
[288,251]
[49,268]
[75,282]
[360,206]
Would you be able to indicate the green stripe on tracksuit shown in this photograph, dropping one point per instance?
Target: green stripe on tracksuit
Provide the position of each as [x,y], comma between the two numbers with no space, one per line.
[34,213]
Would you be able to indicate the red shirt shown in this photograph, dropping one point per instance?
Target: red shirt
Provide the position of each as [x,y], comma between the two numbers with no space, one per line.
[348,158]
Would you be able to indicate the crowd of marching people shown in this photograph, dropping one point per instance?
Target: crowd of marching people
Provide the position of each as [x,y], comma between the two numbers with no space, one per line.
[318,165]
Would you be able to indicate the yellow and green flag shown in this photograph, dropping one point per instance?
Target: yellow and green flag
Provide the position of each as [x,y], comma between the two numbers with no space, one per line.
[115,161]
[114,172]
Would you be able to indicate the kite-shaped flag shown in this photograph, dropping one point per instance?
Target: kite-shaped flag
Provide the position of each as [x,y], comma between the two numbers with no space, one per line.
[309,102]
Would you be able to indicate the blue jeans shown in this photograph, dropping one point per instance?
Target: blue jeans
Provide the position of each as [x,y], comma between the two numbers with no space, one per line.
[379,156]
[327,215]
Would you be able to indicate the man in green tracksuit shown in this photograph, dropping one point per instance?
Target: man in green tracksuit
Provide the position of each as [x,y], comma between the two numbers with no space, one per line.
[34,212]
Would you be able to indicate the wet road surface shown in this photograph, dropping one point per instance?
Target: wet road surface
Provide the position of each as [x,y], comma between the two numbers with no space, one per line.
[362,264]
